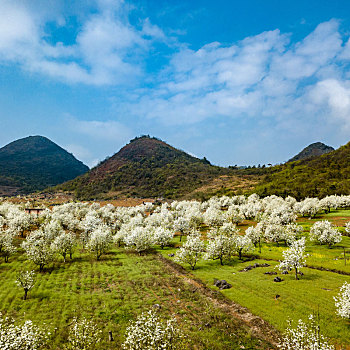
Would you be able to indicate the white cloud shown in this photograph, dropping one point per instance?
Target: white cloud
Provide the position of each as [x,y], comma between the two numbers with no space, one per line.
[266,79]
[100,130]
[16,26]
[99,55]
[263,76]
[335,96]
[78,151]
[94,139]
[152,30]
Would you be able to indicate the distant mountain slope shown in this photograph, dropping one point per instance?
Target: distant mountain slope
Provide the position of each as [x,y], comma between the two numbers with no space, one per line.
[314,150]
[146,167]
[34,163]
[320,176]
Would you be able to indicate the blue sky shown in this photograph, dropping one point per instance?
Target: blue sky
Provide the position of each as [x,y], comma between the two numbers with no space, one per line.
[239,82]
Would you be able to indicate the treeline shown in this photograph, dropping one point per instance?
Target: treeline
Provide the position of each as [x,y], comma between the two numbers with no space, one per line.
[318,177]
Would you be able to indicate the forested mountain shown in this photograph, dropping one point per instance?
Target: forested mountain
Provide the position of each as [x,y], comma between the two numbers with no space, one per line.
[34,163]
[314,150]
[146,167]
[149,167]
[319,176]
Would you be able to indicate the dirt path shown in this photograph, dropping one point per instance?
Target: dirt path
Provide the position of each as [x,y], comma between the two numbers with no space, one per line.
[259,327]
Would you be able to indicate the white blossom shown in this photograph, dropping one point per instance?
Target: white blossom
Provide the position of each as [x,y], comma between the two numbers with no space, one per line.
[38,248]
[305,336]
[234,215]
[99,241]
[309,206]
[329,202]
[214,217]
[221,243]
[162,236]
[64,244]
[22,337]
[347,227]
[139,239]
[191,251]
[250,209]
[243,244]
[294,257]
[255,234]
[325,233]
[18,220]
[8,249]
[182,225]
[149,332]
[83,335]
[26,280]
[342,301]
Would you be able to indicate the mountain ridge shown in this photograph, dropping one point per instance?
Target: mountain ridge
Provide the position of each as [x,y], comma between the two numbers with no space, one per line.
[35,162]
[145,167]
[313,177]
[148,167]
[313,150]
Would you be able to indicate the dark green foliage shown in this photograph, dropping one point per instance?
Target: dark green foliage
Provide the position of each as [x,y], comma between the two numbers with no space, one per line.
[34,163]
[146,167]
[317,177]
[314,150]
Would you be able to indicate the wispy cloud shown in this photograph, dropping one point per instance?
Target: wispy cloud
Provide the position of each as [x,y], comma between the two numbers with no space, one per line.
[263,76]
[99,54]
[92,140]
[101,130]
[267,84]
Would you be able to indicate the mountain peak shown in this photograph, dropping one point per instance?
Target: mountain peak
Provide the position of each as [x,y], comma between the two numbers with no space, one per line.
[313,150]
[28,143]
[146,146]
[34,163]
[145,167]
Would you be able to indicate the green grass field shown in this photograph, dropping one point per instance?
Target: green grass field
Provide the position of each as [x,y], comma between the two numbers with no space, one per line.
[122,285]
[114,291]
[313,293]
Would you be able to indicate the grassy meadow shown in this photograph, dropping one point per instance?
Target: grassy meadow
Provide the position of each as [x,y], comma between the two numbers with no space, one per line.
[114,291]
[313,293]
[123,284]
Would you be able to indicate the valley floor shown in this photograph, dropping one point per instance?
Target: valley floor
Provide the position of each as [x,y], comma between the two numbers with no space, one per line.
[117,289]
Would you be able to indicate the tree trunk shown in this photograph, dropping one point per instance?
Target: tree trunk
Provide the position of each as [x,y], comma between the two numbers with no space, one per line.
[110,336]
[296,274]
[240,254]
[222,264]
[64,257]
[25,294]
[259,246]
[6,259]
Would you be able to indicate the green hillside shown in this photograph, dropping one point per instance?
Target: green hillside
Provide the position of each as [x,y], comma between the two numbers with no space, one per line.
[146,167]
[317,177]
[314,150]
[34,163]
